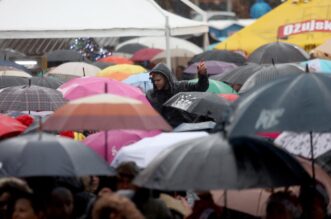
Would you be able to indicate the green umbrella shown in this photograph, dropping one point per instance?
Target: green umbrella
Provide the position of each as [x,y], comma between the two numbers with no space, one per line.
[218,87]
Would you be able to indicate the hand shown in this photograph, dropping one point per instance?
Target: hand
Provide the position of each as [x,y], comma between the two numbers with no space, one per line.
[202,70]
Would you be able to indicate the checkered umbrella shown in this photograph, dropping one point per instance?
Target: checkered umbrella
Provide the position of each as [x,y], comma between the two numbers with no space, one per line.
[30,98]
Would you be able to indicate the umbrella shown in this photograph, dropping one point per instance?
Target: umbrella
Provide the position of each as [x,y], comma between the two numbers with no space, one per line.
[269,73]
[278,52]
[10,126]
[318,65]
[14,65]
[215,163]
[64,55]
[323,50]
[142,81]
[219,55]
[199,126]
[105,112]
[202,104]
[116,140]
[121,71]
[30,98]
[115,60]
[102,65]
[145,54]
[43,154]
[229,97]
[78,69]
[218,87]
[10,81]
[49,82]
[178,57]
[131,48]
[87,86]
[145,150]
[17,73]
[213,67]
[10,54]
[238,75]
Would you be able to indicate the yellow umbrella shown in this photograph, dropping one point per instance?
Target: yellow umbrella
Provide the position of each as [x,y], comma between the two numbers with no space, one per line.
[121,71]
[305,24]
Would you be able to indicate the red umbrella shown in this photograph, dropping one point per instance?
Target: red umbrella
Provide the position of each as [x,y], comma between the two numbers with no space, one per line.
[10,126]
[229,97]
[145,54]
[116,60]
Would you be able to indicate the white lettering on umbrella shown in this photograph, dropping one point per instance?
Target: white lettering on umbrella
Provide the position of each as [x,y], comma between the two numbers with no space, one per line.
[269,118]
[184,102]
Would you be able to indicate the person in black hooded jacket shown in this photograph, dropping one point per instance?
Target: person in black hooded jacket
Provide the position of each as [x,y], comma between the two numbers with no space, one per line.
[165,86]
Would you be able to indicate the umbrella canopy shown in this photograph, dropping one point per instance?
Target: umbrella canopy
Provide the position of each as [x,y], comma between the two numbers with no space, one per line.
[202,104]
[199,126]
[299,143]
[269,73]
[103,65]
[142,81]
[109,112]
[145,54]
[17,73]
[213,67]
[218,87]
[219,55]
[238,75]
[116,60]
[14,65]
[298,103]
[78,69]
[30,98]
[317,65]
[10,126]
[121,71]
[49,82]
[278,52]
[145,150]
[64,55]
[11,81]
[42,154]
[131,48]
[215,163]
[87,86]
[229,97]
[116,140]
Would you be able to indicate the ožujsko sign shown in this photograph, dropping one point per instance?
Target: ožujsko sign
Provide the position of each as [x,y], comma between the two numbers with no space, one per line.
[303,27]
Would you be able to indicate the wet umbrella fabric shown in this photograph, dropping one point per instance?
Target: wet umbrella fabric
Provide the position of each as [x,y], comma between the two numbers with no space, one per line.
[215,163]
[219,55]
[49,82]
[269,73]
[10,126]
[12,81]
[14,65]
[214,67]
[278,52]
[43,154]
[202,104]
[199,126]
[131,48]
[217,87]
[298,103]
[30,98]
[64,55]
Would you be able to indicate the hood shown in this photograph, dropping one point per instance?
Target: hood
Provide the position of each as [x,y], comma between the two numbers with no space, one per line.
[166,72]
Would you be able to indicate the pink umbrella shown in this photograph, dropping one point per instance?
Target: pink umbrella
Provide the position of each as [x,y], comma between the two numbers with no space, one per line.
[116,139]
[87,86]
[145,54]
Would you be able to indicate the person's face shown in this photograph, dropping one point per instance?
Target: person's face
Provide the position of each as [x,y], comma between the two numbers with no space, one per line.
[23,210]
[159,81]
[124,182]
[61,206]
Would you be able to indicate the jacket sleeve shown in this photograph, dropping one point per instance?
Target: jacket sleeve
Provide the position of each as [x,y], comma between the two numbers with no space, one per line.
[201,85]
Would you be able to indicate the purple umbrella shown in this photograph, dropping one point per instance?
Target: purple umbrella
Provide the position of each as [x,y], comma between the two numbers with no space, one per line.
[116,140]
[213,67]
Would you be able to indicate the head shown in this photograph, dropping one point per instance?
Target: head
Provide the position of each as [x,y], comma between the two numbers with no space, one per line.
[61,204]
[27,207]
[283,205]
[159,81]
[126,172]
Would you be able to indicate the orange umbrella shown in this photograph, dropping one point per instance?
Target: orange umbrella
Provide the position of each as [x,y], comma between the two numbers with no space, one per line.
[121,71]
[116,60]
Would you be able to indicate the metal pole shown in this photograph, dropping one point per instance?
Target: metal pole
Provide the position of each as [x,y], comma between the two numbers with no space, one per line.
[229,5]
[167,38]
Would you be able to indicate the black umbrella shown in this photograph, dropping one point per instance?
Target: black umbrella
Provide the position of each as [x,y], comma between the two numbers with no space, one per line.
[298,103]
[14,65]
[64,55]
[43,154]
[30,98]
[131,48]
[219,55]
[11,81]
[214,163]
[278,52]
[50,82]
[238,75]
[202,104]
[199,126]
[269,73]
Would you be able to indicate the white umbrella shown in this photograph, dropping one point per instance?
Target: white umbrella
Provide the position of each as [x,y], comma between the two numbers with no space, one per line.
[17,73]
[145,150]
[78,69]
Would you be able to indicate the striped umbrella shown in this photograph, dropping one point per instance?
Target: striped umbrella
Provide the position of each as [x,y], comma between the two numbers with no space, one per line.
[109,112]
[30,98]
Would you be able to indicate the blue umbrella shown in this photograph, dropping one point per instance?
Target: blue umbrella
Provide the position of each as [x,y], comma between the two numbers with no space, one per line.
[318,65]
[141,81]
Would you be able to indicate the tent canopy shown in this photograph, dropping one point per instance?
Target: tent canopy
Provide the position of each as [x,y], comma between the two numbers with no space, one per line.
[85,18]
[305,24]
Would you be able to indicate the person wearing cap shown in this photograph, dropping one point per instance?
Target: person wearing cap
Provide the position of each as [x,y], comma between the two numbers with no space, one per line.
[165,86]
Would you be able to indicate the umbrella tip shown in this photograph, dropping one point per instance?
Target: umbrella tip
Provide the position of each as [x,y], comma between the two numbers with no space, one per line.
[273,61]
[29,82]
[307,68]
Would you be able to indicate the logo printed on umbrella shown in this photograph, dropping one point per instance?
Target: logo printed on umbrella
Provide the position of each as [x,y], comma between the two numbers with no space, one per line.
[184,102]
[269,118]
